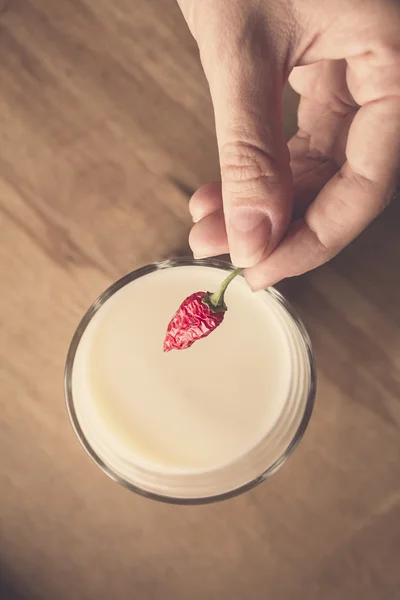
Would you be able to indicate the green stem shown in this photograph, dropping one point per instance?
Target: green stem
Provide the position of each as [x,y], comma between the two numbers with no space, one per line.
[217,298]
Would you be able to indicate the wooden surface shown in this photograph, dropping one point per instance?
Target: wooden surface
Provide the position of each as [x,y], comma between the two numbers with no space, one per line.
[105,128]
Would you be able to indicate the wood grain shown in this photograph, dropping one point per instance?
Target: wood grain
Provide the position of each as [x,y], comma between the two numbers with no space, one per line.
[105,128]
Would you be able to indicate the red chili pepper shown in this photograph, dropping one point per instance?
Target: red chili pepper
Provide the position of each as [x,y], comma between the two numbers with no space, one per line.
[198,315]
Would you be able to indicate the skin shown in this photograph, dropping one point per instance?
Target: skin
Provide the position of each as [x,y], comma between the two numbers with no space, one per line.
[284,209]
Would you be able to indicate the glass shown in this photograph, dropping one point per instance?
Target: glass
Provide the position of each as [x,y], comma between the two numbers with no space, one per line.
[248,470]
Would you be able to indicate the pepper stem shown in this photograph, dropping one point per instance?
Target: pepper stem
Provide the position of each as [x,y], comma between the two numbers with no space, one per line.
[216,300]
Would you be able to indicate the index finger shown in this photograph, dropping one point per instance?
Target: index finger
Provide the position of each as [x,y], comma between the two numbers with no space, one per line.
[348,202]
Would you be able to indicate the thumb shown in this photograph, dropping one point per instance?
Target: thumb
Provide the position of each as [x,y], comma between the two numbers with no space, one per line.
[246,84]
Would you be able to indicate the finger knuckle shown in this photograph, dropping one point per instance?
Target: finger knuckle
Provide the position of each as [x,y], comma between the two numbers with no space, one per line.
[245,167]
[377,196]
[314,242]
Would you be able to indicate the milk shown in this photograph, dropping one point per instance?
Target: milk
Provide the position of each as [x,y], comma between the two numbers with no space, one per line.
[192,412]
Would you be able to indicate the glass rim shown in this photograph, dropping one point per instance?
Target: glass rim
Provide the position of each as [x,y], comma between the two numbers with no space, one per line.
[100,301]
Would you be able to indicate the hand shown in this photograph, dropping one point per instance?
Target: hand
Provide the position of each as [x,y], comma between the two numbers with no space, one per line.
[283,210]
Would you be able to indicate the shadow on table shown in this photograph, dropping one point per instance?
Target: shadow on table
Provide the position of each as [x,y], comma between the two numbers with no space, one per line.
[10,590]
[370,264]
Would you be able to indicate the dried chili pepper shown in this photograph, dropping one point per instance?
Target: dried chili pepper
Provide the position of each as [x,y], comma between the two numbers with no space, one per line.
[197,317]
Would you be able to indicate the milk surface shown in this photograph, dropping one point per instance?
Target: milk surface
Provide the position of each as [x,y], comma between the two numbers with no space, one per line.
[183,411]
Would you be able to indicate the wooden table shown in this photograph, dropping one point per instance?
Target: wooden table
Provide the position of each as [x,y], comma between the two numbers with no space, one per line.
[105,129]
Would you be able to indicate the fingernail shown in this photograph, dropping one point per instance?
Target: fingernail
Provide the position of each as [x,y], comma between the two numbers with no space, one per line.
[259,280]
[249,234]
[255,285]
[201,255]
[194,211]
[196,218]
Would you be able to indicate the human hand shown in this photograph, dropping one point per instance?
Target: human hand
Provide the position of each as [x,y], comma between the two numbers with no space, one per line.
[283,210]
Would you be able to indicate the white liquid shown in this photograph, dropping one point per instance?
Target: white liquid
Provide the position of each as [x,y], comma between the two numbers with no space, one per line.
[182,412]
